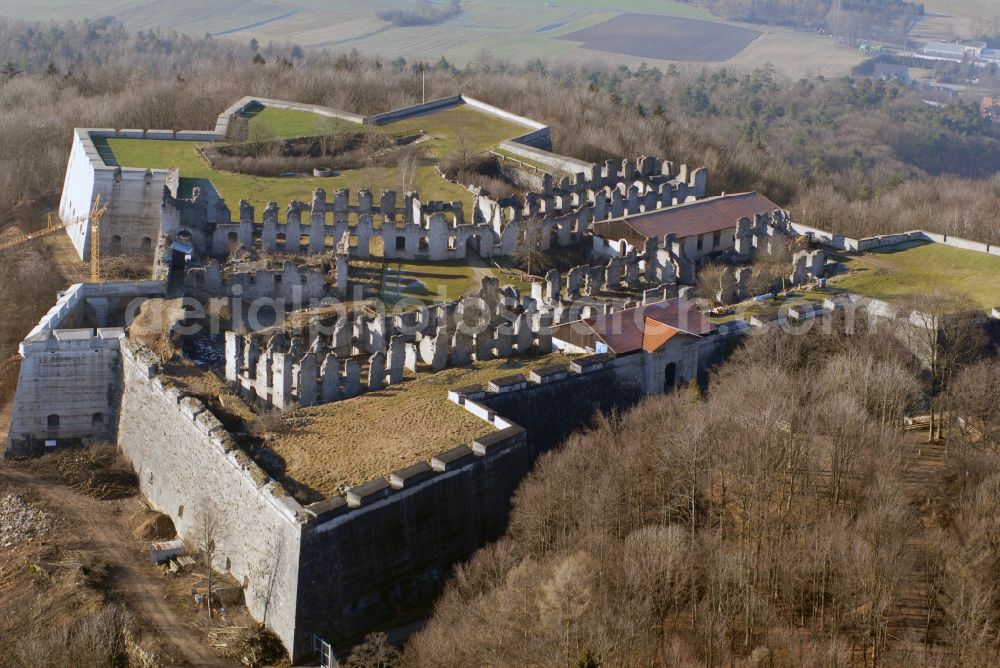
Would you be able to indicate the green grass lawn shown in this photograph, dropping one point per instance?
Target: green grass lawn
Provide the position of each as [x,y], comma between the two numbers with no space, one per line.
[284,123]
[444,281]
[438,281]
[458,128]
[906,273]
[450,130]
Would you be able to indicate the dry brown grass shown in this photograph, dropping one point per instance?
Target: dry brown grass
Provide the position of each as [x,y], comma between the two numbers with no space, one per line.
[347,443]
[153,326]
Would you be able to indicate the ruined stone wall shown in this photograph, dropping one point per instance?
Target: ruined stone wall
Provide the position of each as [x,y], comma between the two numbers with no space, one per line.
[185,462]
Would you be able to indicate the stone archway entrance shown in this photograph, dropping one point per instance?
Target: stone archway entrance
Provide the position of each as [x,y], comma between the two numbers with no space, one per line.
[670,377]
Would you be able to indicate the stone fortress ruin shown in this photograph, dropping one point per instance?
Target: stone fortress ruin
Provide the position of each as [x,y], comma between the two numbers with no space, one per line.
[328,547]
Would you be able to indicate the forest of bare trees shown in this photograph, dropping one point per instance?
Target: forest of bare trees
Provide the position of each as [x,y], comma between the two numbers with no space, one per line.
[792,526]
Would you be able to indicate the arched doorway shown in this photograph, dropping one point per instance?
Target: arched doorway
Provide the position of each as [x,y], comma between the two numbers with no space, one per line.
[670,377]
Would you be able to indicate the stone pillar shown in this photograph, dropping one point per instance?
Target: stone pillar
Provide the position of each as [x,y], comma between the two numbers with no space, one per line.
[281,381]
[744,238]
[434,350]
[306,379]
[397,359]
[376,371]
[484,345]
[523,334]
[269,235]
[412,357]
[800,268]
[553,287]
[545,332]
[343,267]
[262,384]
[461,351]
[293,226]
[342,331]
[362,334]
[330,379]
[504,341]
[352,379]
[234,355]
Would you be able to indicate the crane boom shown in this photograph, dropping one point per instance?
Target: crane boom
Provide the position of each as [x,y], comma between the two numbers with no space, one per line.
[95,215]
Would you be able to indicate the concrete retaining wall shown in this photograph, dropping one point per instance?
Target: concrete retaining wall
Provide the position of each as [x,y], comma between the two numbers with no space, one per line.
[841,242]
[559,163]
[415,110]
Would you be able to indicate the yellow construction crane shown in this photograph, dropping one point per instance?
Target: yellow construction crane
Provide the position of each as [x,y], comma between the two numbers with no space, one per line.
[96,213]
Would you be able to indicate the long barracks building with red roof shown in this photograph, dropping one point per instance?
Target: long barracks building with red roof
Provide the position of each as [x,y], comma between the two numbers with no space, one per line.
[703,227]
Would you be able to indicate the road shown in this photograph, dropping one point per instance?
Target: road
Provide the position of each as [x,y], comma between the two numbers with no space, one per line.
[110,541]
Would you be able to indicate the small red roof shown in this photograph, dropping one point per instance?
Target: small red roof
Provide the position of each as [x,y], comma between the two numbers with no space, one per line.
[655,334]
[702,217]
[649,326]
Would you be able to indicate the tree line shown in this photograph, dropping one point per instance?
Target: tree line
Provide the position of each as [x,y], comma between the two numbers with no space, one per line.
[793,526]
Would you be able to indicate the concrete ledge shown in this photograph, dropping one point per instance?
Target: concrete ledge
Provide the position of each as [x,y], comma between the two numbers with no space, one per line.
[590,363]
[368,493]
[411,475]
[470,392]
[327,509]
[549,374]
[510,383]
[498,440]
[452,459]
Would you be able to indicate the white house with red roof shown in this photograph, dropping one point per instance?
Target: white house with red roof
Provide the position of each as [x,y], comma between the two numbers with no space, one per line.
[669,336]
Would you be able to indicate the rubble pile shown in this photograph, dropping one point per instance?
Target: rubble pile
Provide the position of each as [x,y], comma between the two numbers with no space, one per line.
[20,521]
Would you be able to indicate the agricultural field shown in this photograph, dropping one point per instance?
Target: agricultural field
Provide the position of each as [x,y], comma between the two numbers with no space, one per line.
[454,129]
[907,272]
[346,443]
[665,38]
[979,10]
[487,30]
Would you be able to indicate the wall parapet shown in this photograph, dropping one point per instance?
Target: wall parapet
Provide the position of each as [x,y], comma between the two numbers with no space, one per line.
[846,243]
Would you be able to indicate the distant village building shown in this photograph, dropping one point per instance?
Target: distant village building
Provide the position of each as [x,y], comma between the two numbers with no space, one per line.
[891,72]
[956,51]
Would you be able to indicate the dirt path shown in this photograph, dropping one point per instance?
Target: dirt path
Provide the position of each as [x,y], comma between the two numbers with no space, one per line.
[108,539]
[923,481]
